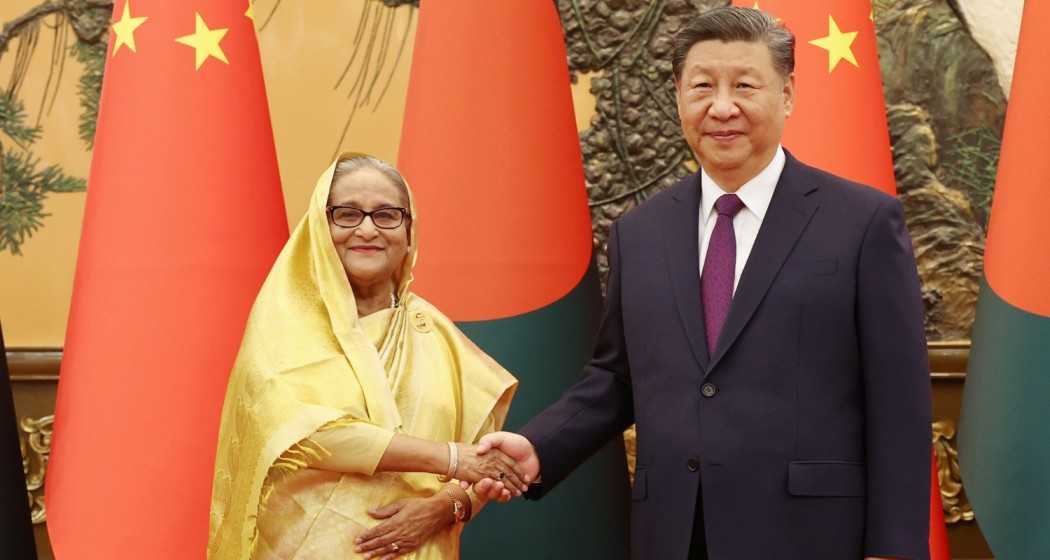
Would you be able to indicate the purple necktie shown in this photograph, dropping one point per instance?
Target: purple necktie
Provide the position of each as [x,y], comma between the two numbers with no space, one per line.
[716,282]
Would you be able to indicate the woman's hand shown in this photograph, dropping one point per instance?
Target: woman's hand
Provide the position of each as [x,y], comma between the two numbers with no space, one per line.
[409,523]
[494,464]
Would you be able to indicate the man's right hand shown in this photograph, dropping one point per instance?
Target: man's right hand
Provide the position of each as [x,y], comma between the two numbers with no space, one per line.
[517,447]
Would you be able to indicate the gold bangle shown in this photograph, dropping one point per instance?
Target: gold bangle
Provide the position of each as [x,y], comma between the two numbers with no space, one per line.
[453,462]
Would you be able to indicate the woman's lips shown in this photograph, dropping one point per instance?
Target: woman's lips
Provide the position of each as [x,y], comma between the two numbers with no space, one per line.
[366,249]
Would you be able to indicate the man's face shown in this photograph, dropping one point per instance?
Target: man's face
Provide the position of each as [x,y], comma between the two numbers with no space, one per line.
[732,104]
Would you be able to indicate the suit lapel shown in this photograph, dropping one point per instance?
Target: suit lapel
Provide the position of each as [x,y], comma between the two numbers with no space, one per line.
[788,214]
[683,257]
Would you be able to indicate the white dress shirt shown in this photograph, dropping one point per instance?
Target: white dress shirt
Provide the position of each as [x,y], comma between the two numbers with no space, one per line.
[755,194]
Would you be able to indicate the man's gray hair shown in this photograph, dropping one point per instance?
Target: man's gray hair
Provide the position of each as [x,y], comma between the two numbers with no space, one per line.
[733,23]
[349,164]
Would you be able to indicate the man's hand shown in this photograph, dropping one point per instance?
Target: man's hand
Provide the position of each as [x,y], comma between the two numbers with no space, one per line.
[517,447]
[491,463]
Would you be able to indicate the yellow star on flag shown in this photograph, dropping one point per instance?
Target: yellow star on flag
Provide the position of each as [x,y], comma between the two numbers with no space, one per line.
[250,12]
[124,29]
[837,44]
[205,42]
[756,6]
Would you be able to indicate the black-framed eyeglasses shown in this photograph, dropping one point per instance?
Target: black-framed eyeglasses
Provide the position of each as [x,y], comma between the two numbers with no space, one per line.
[383,218]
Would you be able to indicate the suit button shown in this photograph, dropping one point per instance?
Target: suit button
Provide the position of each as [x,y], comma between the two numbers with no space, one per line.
[692,464]
[708,389]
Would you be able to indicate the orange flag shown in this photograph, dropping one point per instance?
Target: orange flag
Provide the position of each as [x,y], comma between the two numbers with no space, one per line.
[184,217]
[494,163]
[490,147]
[1006,470]
[839,122]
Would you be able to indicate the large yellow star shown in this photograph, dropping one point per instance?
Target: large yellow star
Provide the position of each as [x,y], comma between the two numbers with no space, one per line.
[124,29]
[205,42]
[837,44]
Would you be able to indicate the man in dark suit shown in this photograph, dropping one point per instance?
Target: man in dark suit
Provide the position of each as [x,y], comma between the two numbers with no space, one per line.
[764,331]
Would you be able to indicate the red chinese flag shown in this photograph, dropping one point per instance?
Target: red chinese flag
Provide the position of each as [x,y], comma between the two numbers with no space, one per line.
[184,217]
[939,549]
[839,122]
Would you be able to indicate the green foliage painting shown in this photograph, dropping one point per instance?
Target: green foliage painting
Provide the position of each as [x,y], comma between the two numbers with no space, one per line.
[79,31]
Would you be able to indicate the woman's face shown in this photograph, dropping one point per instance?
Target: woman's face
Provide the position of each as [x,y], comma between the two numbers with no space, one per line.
[370,255]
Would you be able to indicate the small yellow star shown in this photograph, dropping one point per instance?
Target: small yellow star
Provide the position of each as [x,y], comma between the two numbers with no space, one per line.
[205,42]
[124,29]
[250,12]
[837,44]
[756,7]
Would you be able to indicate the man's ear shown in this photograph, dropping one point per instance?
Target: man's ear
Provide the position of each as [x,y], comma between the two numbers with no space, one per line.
[789,94]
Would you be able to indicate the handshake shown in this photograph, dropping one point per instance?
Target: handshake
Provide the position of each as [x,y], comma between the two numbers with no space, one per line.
[501,466]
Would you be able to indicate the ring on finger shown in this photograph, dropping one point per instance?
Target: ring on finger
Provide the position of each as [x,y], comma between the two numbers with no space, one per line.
[394,547]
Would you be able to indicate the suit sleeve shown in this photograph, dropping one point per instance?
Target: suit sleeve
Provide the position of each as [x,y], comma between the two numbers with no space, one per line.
[595,409]
[896,389]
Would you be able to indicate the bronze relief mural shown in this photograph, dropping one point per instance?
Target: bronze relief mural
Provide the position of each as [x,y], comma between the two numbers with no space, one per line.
[946,111]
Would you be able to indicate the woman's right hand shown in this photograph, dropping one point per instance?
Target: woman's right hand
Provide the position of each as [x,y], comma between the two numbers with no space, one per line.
[494,464]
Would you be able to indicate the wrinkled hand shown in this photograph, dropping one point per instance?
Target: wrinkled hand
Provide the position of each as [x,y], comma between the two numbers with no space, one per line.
[492,464]
[409,523]
[518,448]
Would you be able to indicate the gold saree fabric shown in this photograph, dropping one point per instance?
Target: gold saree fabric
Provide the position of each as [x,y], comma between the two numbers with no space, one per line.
[308,363]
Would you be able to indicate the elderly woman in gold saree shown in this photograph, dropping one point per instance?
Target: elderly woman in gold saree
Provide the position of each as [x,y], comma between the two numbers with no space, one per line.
[354,405]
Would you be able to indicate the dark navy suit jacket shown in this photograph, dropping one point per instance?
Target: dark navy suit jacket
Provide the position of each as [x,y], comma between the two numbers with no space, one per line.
[808,426]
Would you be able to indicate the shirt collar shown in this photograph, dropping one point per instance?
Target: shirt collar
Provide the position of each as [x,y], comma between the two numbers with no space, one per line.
[755,194]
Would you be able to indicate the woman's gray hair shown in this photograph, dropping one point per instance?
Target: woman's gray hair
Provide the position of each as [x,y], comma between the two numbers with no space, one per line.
[348,165]
[734,23]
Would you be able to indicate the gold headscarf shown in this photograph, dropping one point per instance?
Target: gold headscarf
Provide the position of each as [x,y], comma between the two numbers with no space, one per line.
[304,363]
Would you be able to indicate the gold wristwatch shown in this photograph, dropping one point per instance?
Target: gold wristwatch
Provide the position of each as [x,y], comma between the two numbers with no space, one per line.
[459,511]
